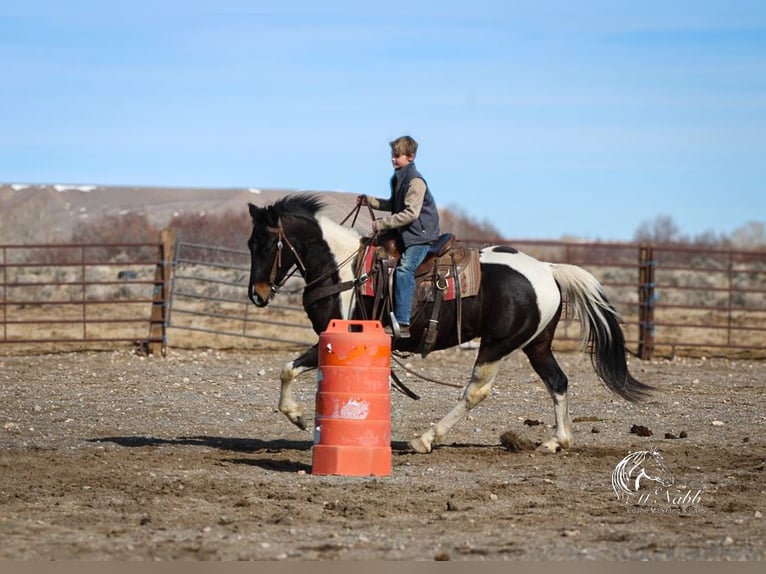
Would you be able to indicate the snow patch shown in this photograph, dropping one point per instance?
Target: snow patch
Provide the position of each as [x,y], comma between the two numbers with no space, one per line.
[84,188]
[255,190]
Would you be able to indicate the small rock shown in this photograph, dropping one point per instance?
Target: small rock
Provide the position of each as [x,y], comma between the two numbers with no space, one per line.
[682,434]
[717,423]
[442,557]
[670,435]
[640,430]
[757,514]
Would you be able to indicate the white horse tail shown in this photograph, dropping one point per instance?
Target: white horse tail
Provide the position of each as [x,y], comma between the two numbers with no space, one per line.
[600,330]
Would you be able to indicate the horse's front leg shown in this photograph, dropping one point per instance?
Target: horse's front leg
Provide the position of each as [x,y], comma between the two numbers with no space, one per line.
[476,391]
[287,405]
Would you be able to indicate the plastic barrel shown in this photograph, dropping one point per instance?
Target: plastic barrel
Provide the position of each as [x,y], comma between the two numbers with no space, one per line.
[352,434]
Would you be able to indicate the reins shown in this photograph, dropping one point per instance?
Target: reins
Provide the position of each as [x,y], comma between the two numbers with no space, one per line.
[321,293]
[282,239]
[425,378]
[397,383]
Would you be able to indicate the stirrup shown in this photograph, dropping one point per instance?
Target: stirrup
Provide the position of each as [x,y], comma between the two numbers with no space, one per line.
[395,329]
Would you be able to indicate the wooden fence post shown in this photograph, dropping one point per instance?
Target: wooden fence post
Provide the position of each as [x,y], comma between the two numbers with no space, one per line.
[646,298]
[160,309]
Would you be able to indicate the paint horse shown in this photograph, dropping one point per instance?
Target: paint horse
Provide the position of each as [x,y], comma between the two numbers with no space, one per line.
[518,305]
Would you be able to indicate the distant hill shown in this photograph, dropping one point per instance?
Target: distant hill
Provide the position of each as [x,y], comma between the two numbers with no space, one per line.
[42,213]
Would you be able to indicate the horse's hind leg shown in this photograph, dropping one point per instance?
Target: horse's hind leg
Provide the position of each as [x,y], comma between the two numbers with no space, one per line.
[544,363]
[475,392]
[287,405]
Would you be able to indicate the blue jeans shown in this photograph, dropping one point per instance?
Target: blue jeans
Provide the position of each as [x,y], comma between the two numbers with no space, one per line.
[404,289]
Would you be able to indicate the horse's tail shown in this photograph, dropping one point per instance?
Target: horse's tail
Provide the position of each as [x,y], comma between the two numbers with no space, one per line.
[600,330]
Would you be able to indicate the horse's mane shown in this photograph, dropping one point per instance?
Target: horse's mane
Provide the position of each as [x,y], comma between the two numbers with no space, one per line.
[343,240]
[307,205]
[298,204]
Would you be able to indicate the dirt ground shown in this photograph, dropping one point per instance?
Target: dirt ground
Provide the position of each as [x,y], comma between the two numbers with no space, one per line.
[112,456]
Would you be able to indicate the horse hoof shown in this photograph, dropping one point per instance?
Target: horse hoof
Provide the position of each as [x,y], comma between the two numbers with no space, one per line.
[421,446]
[551,445]
[298,421]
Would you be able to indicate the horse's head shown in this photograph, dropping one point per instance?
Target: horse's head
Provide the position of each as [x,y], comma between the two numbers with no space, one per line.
[275,243]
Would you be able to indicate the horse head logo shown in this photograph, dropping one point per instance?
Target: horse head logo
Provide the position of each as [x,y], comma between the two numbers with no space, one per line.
[641,470]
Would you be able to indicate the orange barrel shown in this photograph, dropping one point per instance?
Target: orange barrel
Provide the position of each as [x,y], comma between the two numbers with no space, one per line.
[352,434]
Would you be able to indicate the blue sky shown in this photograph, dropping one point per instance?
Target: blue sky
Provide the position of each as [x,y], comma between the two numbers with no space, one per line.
[546,119]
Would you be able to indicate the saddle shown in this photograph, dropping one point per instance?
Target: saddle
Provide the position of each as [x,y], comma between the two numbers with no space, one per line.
[450,272]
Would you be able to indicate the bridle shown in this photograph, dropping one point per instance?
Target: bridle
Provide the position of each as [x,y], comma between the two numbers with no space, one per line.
[317,294]
[325,291]
[276,265]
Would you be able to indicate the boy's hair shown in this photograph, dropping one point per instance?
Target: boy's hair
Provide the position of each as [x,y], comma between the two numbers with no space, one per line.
[404,145]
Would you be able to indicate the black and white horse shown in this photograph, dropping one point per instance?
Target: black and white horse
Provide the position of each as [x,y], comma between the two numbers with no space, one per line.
[518,306]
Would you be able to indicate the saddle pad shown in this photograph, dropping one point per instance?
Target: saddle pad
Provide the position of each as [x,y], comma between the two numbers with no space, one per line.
[466,261]
[468,267]
[365,263]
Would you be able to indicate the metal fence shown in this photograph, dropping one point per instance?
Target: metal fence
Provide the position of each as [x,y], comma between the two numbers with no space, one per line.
[84,293]
[697,300]
[673,299]
[209,295]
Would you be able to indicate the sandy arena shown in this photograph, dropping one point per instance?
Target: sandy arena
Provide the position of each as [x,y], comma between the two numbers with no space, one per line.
[112,456]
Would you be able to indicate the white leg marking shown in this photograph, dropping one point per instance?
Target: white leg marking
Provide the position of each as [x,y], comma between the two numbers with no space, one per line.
[475,392]
[287,404]
[562,438]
